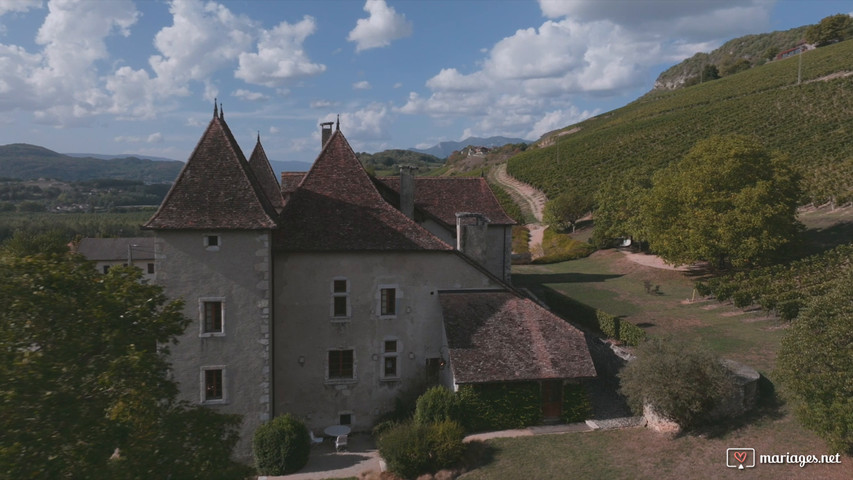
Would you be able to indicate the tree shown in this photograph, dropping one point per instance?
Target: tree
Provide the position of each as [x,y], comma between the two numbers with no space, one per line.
[681,381]
[618,207]
[728,202]
[833,28]
[710,72]
[816,364]
[565,210]
[83,358]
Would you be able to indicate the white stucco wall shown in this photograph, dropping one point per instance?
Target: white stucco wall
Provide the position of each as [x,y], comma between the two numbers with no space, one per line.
[305,329]
[498,246]
[239,271]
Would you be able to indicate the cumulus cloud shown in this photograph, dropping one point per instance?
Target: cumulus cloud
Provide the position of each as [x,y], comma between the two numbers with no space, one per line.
[362,85]
[364,126]
[585,48]
[249,95]
[322,104]
[379,29]
[280,56]
[155,138]
[18,5]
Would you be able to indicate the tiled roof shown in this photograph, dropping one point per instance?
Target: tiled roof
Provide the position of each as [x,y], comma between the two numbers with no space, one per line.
[266,177]
[116,248]
[337,208]
[291,180]
[498,336]
[216,189]
[442,198]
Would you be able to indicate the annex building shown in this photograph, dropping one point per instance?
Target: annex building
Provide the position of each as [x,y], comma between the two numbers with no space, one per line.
[327,294]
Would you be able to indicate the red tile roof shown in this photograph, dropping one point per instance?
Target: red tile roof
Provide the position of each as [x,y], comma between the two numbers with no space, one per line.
[117,248]
[216,189]
[442,198]
[266,177]
[498,336]
[337,208]
[291,180]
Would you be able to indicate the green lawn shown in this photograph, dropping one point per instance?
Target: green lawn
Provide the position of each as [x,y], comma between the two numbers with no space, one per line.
[607,280]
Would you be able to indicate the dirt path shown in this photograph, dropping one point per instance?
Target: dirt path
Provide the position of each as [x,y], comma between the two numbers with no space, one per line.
[531,200]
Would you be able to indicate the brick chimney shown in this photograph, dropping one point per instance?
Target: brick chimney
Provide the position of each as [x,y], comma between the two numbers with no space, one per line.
[407,190]
[326,133]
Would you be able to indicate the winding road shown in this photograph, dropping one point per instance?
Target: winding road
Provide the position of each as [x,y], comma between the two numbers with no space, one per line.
[531,201]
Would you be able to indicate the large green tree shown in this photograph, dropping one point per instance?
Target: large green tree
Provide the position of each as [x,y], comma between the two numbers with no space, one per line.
[85,387]
[816,364]
[565,210]
[729,202]
[617,209]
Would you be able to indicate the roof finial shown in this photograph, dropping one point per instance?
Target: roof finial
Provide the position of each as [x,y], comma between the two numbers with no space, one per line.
[221,111]
[259,136]
[215,111]
[338,125]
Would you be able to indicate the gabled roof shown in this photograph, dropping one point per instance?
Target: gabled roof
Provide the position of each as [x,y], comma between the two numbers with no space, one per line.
[442,198]
[336,207]
[266,177]
[117,248]
[216,189]
[499,336]
[291,180]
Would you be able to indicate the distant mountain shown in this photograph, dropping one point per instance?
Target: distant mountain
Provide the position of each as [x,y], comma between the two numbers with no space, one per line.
[444,149]
[279,166]
[123,155]
[28,162]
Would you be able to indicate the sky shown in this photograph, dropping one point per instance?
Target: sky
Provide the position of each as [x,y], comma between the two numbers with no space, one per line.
[125,76]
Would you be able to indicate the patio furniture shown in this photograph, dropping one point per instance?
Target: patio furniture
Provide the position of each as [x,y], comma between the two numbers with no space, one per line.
[314,440]
[341,443]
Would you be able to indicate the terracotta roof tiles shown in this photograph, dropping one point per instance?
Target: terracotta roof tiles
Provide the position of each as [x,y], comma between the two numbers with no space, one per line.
[498,336]
[262,169]
[337,207]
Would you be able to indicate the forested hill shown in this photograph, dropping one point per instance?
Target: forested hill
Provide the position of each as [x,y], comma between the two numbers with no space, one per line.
[29,162]
[812,122]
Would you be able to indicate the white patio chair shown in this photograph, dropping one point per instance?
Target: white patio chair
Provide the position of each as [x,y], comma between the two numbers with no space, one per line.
[315,440]
[341,443]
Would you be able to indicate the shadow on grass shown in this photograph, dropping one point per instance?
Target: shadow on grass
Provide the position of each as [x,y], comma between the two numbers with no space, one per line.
[822,239]
[769,406]
[477,454]
[551,278]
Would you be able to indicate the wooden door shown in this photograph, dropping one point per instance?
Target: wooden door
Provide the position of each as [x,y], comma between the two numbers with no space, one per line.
[552,399]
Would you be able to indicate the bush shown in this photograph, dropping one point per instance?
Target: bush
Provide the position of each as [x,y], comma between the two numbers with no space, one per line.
[614,327]
[576,405]
[682,382]
[500,406]
[281,446]
[411,449]
[436,405]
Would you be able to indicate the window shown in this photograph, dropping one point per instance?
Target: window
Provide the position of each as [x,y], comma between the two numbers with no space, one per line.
[212,316]
[106,269]
[341,365]
[388,301]
[150,268]
[340,298]
[212,242]
[390,351]
[345,419]
[213,384]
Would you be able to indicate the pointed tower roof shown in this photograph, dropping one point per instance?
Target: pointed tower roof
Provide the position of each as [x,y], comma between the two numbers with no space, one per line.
[216,189]
[262,169]
[337,208]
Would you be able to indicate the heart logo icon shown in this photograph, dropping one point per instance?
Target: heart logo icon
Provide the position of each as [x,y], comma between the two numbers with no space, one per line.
[740,456]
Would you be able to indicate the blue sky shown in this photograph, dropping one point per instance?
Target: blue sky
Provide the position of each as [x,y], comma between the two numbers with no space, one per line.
[124,76]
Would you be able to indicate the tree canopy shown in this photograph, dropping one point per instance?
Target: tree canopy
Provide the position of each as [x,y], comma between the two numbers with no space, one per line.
[86,391]
[833,28]
[565,210]
[816,364]
[728,202]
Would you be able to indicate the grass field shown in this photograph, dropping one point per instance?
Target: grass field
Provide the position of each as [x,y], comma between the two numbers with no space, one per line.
[662,301]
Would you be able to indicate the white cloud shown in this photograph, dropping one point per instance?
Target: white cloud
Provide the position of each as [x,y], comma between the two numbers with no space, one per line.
[274,130]
[280,56]
[250,96]
[322,104]
[155,138]
[368,124]
[382,26]
[362,85]
[18,5]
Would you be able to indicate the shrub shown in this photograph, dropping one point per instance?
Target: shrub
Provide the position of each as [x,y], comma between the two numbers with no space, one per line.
[614,327]
[682,382]
[281,446]
[437,404]
[411,449]
[576,406]
[500,406]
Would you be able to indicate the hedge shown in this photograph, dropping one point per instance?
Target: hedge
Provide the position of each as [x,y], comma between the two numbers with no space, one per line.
[281,446]
[576,404]
[500,406]
[411,449]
